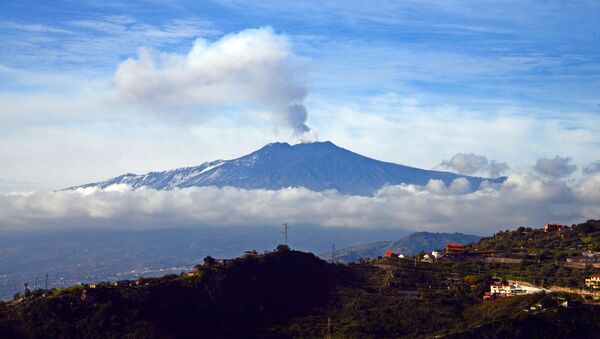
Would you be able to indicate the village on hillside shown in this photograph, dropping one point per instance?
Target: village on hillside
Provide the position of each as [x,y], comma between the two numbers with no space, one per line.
[583,258]
[507,273]
[514,275]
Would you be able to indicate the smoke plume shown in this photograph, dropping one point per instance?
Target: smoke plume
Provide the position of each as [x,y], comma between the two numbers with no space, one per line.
[254,66]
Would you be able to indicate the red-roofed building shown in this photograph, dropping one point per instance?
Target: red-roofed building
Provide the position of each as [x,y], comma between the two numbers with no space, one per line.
[454,249]
[391,254]
[553,227]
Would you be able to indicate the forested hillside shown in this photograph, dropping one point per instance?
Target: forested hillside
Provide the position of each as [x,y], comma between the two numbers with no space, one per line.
[287,293]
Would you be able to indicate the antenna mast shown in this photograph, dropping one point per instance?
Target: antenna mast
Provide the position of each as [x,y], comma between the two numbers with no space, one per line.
[285,231]
[332,253]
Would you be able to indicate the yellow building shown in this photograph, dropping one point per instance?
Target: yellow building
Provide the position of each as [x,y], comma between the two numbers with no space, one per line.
[593,281]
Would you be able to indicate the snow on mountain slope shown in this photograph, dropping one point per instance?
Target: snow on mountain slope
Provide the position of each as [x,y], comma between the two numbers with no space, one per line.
[317,166]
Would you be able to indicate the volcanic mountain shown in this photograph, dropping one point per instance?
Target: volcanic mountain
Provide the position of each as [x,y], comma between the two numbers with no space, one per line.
[317,166]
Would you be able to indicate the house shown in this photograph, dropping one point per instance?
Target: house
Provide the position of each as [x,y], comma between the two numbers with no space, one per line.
[508,289]
[501,289]
[454,249]
[437,254]
[593,282]
[553,227]
[391,254]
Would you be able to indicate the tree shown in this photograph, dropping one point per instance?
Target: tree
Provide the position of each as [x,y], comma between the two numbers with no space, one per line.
[209,261]
[282,248]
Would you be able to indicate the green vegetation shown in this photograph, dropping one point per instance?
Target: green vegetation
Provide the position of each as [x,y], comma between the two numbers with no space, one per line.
[288,293]
[535,244]
[543,254]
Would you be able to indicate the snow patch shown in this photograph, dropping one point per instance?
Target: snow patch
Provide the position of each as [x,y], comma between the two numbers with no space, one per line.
[212,167]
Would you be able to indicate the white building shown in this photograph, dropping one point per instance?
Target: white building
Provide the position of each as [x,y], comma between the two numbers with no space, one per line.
[501,289]
[593,281]
[513,288]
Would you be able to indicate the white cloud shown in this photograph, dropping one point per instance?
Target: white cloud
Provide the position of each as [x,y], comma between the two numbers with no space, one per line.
[556,168]
[34,28]
[522,200]
[253,66]
[469,163]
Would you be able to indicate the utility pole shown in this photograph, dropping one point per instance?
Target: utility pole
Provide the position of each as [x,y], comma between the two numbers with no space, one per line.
[35,286]
[328,328]
[399,263]
[333,253]
[285,231]
[46,286]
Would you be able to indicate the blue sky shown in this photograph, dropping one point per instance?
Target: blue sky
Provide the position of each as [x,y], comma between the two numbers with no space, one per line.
[409,82]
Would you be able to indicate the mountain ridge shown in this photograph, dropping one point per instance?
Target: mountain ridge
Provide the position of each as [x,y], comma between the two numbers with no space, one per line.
[317,166]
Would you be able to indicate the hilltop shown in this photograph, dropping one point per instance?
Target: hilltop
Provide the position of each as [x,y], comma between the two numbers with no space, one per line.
[317,166]
[246,296]
[530,243]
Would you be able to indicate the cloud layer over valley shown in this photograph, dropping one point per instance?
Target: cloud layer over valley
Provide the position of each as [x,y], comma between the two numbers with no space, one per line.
[524,199]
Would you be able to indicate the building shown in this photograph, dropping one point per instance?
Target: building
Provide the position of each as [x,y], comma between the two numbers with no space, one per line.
[391,254]
[437,254]
[454,249]
[553,227]
[509,289]
[502,289]
[593,282]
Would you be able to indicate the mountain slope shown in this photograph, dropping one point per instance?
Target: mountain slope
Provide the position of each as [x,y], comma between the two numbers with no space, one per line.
[409,245]
[317,166]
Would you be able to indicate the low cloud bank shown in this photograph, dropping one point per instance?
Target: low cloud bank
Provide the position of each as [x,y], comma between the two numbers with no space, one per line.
[524,199]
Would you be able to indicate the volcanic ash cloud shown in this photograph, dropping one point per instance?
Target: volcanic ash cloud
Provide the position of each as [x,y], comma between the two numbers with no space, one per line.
[254,66]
